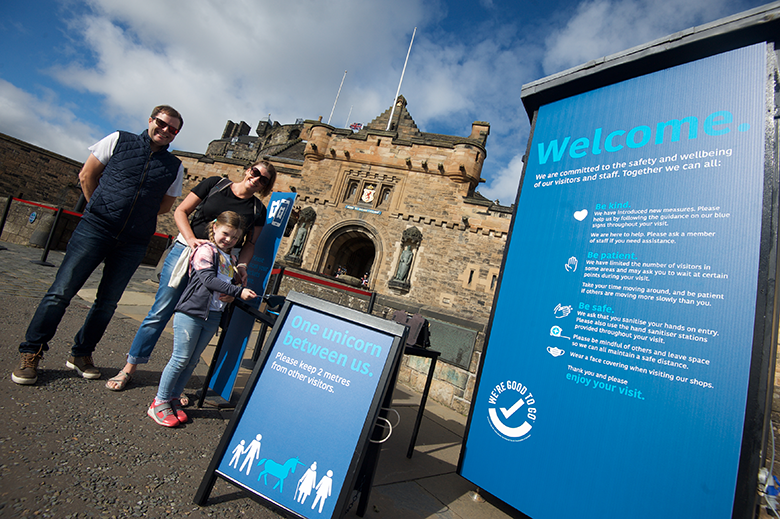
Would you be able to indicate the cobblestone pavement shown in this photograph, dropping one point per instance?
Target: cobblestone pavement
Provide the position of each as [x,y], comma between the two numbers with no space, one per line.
[20,277]
[69,448]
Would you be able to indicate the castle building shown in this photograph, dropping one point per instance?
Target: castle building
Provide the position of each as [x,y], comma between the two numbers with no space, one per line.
[394,210]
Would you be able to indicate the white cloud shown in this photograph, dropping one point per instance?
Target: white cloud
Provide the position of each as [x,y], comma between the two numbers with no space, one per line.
[43,122]
[505,182]
[597,28]
[602,27]
[242,61]
[239,61]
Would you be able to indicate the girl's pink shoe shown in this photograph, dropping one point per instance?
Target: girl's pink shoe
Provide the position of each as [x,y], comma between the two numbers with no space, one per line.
[163,414]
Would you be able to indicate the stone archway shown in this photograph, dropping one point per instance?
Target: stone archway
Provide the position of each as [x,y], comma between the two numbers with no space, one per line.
[352,246]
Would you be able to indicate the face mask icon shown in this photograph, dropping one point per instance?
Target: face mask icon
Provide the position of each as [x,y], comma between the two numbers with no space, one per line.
[555,352]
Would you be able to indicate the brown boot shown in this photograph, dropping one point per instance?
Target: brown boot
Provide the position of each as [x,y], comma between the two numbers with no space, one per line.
[83,366]
[27,373]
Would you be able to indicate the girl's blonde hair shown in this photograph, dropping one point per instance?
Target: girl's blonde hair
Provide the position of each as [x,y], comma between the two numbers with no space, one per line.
[228,219]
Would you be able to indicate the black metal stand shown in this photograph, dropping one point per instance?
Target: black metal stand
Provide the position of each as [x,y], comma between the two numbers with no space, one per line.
[264,328]
[367,472]
[368,469]
[267,320]
[46,249]
[434,356]
[5,217]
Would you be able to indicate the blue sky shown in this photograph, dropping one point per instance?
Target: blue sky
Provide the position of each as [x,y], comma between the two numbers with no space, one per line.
[73,71]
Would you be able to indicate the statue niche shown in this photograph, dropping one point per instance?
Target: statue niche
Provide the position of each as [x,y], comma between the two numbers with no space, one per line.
[305,221]
[410,242]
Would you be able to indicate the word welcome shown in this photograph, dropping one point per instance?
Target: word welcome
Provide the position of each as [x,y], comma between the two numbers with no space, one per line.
[717,123]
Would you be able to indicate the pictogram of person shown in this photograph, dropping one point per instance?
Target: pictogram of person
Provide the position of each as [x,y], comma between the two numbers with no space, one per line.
[323,490]
[237,452]
[253,453]
[306,483]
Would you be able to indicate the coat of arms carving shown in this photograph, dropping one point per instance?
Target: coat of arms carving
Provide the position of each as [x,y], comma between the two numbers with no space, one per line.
[368,193]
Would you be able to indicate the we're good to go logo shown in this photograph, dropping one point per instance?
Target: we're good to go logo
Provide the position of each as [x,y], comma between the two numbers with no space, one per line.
[512,411]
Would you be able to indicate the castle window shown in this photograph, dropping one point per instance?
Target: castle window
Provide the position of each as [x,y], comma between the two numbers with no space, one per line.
[352,187]
[384,197]
[229,154]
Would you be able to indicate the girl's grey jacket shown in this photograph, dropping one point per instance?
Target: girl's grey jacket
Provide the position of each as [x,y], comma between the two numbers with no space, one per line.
[202,284]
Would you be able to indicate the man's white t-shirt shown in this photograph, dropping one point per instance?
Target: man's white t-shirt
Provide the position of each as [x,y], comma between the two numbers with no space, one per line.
[103,149]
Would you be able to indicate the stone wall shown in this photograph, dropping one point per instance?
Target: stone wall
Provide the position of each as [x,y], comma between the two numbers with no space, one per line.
[32,173]
[45,181]
[30,224]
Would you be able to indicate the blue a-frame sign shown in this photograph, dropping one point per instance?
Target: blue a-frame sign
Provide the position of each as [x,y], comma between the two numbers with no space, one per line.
[301,428]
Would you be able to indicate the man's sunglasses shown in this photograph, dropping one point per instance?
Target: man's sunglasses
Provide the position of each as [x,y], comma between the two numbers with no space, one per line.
[163,125]
[257,173]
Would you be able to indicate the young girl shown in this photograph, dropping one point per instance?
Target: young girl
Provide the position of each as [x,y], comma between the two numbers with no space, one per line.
[198,314]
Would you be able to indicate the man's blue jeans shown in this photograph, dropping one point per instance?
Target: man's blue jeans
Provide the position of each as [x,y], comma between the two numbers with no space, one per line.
[164,303]
[191,335]
[88,246]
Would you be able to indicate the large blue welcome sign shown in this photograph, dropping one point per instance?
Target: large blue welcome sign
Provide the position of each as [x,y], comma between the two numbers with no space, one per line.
[615,380]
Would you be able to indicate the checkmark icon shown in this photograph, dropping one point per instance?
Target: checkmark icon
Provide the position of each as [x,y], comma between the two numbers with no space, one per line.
[509,412]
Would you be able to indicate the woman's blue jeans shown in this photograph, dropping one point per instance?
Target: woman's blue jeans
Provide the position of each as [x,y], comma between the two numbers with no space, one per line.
[87,248]
[164,303]
[191,335]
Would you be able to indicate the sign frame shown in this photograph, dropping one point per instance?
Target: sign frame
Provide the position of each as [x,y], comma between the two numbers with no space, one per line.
[396,334]
[764,328]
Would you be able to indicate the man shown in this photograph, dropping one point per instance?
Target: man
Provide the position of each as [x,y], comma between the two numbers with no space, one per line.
[127,180]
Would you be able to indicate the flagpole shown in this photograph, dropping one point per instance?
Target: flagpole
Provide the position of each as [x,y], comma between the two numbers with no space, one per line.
[346,124]
[390,120]
[337,95]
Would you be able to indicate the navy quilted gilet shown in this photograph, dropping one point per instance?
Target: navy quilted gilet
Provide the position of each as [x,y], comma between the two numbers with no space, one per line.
[131,189]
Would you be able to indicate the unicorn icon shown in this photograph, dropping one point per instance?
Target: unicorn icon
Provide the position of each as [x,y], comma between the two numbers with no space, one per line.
[278,471]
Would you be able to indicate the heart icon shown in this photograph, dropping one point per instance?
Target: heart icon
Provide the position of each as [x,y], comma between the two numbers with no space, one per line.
[580,215]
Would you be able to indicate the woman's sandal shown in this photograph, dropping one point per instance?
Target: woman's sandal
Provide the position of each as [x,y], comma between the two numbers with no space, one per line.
[121,380]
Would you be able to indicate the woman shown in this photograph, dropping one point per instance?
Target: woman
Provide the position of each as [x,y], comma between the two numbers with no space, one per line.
[217,196]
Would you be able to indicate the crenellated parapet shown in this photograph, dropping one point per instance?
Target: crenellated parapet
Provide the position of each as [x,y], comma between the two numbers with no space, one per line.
[403,149]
